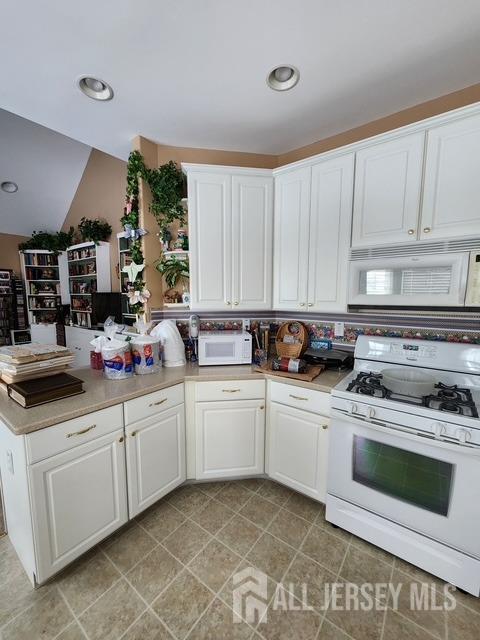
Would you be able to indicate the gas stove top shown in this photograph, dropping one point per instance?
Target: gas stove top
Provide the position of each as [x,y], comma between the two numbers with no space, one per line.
[449,398]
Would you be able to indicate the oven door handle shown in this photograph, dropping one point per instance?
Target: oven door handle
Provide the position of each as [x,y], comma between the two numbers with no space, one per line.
[402,432]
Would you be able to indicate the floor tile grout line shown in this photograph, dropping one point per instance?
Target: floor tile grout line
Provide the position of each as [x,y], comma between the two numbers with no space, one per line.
[382,633]
[70,608]
[418,626]
[19,613]
[148,606]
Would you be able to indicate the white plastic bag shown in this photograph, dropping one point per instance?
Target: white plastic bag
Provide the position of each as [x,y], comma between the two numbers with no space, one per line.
[145,350]
[116,354]
[171,340]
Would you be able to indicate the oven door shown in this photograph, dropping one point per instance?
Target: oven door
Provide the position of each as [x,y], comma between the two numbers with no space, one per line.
[428,486]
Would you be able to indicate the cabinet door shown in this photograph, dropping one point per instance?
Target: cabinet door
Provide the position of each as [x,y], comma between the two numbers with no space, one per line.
[210,223]
[330,226]
[451,193]
[44,333]
[155,457]
[298,446]
[291,220]
[78,498]
[229,438]
[388,178]
[252,216]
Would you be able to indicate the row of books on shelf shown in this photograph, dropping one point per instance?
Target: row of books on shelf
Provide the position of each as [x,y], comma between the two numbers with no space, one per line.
[37,273]
[81,254]
[81,269]
[40,259]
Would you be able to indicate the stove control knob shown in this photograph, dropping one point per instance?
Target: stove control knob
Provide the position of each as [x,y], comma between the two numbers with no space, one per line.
[353,408]
[438,428]
[369,413]
[463,435]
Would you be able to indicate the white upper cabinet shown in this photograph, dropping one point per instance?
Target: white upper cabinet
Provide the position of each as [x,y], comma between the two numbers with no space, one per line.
[210,224]
[451,198]
[388,181]
[252,206]
[230,221]
[330,223]
[292,222]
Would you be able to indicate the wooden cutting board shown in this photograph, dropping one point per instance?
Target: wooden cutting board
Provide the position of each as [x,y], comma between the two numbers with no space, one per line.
[312,372]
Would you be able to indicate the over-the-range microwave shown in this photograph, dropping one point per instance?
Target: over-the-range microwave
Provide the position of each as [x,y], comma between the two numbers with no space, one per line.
[224,347]
[449,279]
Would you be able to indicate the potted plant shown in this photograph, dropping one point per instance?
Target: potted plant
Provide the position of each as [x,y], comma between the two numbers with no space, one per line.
[55,242]
[95,230]
[174,271]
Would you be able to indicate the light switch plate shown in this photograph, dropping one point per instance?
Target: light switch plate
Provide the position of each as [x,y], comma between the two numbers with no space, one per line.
[339,329]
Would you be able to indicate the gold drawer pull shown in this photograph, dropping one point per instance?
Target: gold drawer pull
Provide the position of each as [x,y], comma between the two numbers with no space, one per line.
[297,397]
[230,390]
[324,426]
[155,404]
[82,431]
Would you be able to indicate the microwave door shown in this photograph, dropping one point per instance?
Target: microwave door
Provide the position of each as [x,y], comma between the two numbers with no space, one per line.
[410,281]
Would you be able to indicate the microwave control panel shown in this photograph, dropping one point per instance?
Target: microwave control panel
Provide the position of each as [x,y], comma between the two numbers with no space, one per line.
[472,298]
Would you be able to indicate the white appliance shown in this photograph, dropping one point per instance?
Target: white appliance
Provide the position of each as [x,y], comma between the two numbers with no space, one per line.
[224,347]
[403,277]
[404,470]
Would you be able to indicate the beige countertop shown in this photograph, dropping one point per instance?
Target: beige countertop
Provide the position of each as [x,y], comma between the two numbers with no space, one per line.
[101,393]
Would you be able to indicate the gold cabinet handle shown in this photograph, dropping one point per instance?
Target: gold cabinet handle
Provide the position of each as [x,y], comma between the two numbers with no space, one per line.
[261,406]
[235,303]
[310,304]
[134,433]
[324,427]
[228,302]
[411,232]
[82,431]
[426,230]
[230,390]
[297,397]
[302,304]
[121,439]
[155,404]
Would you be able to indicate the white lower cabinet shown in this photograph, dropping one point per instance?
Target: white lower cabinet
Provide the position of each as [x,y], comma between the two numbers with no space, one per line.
[230,438]
[297,449]
[155,457]
[78,498]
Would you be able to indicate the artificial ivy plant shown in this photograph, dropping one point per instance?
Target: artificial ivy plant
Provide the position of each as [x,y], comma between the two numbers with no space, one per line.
[44,240]
[174,271]
[96,230]
[166,186]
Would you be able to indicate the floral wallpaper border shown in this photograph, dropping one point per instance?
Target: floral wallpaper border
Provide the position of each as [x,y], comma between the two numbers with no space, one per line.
[326,330]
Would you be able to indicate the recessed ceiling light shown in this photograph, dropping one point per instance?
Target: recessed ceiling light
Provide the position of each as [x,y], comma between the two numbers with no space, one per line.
[283,77]
[95,88]
[9,187]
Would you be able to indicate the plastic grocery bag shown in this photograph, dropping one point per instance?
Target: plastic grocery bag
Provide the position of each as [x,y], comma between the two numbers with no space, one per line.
[173,348]
[116,354]
[145,350]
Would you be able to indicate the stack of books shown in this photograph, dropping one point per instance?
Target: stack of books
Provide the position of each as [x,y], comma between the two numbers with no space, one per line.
[27,364]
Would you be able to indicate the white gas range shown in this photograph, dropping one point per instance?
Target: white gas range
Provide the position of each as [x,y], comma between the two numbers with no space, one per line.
[404,469]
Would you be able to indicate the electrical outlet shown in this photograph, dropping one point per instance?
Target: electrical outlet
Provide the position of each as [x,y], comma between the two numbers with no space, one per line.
[339,329]
[246,324]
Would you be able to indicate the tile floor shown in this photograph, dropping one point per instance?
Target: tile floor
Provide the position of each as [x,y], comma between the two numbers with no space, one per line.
[168,575]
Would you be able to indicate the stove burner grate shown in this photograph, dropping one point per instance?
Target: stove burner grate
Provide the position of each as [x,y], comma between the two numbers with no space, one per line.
[449,398]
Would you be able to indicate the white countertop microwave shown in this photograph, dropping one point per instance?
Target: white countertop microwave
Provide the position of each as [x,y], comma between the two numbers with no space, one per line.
[224,347]
[450,279]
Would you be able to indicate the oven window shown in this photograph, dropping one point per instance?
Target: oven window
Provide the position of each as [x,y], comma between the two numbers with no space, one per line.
[419,480]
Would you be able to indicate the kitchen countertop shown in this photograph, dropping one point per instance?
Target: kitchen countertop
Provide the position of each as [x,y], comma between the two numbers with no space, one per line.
[101,393]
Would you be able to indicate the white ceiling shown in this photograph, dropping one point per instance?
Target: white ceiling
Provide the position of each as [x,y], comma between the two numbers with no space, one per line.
[192,72]
[47,167]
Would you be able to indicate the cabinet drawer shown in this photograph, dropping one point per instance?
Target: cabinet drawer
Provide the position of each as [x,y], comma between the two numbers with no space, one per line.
[66,435]
[152,403]
[293,396]
[230,390]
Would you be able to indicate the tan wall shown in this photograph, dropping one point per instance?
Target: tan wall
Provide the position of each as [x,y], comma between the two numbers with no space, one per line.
[215,156]
[101,194]
[9,258]
[419,112]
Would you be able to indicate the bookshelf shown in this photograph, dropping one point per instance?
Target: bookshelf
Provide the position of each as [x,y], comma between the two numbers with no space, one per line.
[6,306]
[88,272]
[46,284]
[124,246]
